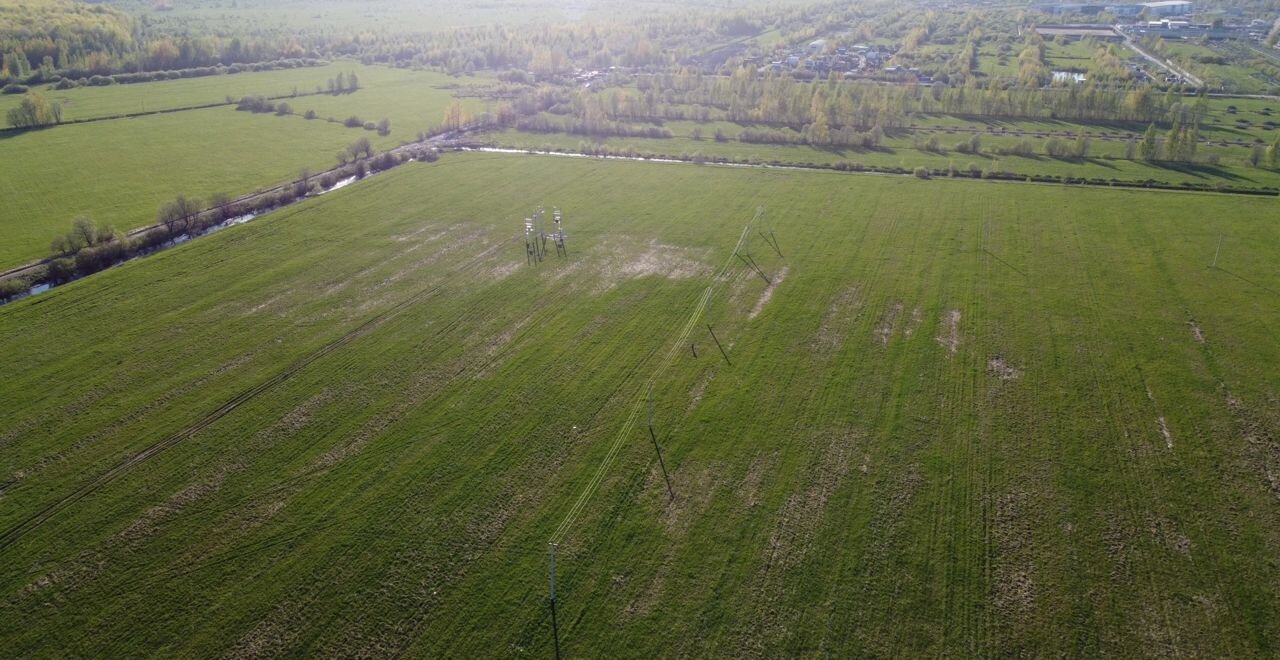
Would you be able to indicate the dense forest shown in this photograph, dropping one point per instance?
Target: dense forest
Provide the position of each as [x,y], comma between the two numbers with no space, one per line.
[51,40]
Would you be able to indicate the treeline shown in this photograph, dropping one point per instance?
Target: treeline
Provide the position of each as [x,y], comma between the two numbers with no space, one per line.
[813,136]
[264,105]
[68,79]
[747,96]
[46,40]
[73,39]
[598,128]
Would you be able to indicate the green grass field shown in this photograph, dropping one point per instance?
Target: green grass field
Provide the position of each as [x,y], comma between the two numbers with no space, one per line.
[414,101]
[114,100]
[131,166]
[965,419]
[134,165]
[1232,77]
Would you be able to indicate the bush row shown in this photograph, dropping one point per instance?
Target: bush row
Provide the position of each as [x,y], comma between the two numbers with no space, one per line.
[73,78]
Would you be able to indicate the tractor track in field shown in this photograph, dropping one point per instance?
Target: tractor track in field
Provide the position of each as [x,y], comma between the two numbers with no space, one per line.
[20,530]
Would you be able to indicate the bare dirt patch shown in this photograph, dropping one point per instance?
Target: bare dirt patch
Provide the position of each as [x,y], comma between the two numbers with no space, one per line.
[917,317]
[1014,584]
[502,271]
[748,489]
[999,367]
[1164,432]
[400,238]
[1261,443]
[469,241]
[1166,533]
[841,313]
[949,331]
[1196,331]
[767,294]
[695,394]
[889,322]
[619,263]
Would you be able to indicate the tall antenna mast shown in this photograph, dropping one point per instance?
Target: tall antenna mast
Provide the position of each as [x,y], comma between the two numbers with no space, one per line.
[558,218]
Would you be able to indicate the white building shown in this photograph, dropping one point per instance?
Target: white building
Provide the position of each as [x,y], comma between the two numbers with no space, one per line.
[1170,8]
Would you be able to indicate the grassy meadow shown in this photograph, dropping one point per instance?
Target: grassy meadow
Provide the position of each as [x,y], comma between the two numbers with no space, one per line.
[414,101]
[114,100]
[1033,423]
[136,164]
[131,166]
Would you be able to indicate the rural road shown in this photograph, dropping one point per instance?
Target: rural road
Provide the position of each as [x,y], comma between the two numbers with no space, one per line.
[1167,66]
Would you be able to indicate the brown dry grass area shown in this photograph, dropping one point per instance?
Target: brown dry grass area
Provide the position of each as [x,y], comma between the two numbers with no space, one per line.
[762,467]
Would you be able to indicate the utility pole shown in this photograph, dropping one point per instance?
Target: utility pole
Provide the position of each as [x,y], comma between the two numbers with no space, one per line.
[654,436]
[555,625]
[718,345]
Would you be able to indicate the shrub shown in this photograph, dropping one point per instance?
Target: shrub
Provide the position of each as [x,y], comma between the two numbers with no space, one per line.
[13,287]
[256,104]
[370,126]
[60,270]
[353,122]
[921,173]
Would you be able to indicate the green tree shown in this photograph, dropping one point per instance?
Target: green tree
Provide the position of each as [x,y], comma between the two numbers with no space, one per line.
[1149,148]
[176,215]
[1081,147]
[34,111]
